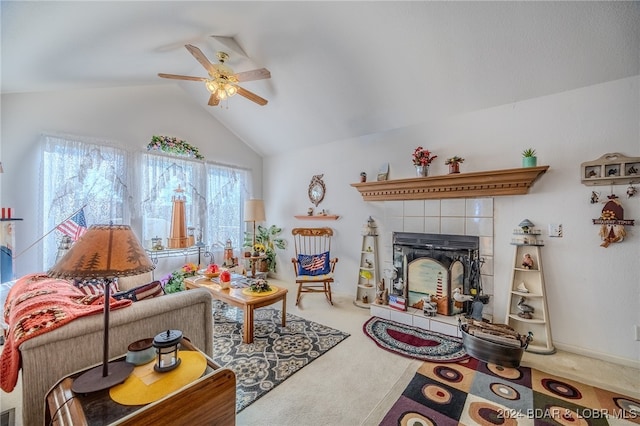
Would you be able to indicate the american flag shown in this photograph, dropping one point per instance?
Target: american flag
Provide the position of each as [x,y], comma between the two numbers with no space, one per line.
[314,263]
[75,226]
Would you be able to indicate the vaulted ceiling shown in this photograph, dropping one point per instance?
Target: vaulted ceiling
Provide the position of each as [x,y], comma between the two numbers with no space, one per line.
[339,69]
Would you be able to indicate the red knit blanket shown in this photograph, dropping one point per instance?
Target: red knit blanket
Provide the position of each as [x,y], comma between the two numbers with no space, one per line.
[37,304]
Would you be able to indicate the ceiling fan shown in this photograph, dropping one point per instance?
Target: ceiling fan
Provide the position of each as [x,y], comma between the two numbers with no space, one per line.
[222,82]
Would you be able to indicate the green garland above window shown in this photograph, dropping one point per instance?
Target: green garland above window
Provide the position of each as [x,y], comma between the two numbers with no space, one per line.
[173,146]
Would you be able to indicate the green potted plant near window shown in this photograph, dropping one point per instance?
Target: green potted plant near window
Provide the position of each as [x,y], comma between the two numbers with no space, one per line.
[529,158]
[267,238]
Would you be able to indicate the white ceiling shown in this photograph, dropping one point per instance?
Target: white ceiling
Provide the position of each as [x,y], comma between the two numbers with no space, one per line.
[339,69]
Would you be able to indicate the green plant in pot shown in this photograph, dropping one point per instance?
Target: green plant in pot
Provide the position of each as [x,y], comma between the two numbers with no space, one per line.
[529,158]
[267,237]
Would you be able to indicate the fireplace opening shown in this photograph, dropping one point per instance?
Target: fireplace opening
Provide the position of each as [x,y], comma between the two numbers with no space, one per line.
[432,266]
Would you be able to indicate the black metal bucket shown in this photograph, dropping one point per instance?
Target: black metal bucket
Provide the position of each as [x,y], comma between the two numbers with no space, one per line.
[492,352]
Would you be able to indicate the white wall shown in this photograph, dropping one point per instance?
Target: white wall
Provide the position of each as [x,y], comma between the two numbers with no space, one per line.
[593,292]
[127,116]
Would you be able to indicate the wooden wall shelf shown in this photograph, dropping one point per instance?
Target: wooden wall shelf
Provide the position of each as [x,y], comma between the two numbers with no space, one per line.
[459,185]
[317,217]
[611,169]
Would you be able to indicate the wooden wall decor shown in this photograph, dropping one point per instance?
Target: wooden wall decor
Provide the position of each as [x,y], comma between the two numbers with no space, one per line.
[612,222]
[611,169]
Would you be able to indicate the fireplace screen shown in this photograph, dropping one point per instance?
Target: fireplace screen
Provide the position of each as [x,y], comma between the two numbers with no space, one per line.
[431,266]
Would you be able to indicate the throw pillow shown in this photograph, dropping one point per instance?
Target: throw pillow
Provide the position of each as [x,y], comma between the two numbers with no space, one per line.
[313,264]
[146,291]
[95,286]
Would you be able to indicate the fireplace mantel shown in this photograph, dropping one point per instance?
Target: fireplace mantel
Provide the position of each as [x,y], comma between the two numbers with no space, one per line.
[460,185]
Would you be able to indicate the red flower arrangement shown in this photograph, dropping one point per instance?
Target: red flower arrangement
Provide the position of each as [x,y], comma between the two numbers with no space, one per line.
[423,157]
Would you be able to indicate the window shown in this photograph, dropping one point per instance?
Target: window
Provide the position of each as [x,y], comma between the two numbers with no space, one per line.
[93,174]
[226,192]
[81,173]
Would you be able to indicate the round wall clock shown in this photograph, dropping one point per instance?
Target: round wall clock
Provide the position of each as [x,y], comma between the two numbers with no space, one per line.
[316,190]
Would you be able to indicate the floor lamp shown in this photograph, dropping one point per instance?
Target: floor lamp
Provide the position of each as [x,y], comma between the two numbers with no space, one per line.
[254,212]
[103,252]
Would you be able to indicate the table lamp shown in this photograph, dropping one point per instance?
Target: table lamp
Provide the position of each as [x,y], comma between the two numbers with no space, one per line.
[254,212]
[103,252]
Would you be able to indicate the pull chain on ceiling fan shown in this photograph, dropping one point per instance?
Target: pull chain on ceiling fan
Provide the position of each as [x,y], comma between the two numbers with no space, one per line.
[222,82]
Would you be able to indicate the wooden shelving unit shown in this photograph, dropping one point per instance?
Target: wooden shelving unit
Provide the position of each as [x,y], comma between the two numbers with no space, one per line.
[535,297]
[458,185]
[366,288]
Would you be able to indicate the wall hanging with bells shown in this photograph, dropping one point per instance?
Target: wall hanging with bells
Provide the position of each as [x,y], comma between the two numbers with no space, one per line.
[166,345]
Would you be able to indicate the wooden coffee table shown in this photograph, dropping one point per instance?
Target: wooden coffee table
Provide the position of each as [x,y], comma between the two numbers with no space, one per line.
[235,297]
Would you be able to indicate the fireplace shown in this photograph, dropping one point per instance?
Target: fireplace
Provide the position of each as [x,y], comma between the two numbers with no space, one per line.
[432,266]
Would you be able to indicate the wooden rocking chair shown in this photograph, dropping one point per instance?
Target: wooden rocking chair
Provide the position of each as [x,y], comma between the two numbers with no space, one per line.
[313,265]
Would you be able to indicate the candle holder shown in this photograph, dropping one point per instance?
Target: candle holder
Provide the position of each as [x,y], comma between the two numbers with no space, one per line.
[166,344]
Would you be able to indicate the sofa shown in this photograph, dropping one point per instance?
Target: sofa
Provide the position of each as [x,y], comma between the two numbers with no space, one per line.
[49,357]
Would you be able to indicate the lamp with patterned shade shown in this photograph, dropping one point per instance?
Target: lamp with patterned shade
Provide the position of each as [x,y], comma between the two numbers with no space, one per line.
[103,252]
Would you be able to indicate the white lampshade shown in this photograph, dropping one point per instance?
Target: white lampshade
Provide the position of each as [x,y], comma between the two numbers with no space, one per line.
[254,211]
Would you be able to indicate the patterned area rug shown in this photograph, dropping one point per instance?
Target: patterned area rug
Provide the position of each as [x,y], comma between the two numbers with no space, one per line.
[276,353]
[472,392]
[414,342]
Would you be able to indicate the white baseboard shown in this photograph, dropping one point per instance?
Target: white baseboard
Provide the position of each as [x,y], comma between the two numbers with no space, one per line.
[597,355]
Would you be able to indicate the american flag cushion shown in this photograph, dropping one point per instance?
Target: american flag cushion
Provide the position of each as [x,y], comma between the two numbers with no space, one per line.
[95,286]
[314,264]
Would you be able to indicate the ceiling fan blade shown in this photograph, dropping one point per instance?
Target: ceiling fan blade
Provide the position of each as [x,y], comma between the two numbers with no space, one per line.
[181,77]
[251,96]
[259,74]
[213,100]
[197,53]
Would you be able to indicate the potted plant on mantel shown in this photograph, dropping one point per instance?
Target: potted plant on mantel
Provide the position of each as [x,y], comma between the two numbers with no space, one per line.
[422,158]
[529,158]
[454,164]
[266,237]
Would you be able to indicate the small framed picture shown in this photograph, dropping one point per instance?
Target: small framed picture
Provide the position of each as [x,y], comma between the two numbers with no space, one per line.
[592,172]
[612,170]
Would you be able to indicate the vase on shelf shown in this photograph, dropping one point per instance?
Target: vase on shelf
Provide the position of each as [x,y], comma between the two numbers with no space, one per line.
[422,171]
[454,168]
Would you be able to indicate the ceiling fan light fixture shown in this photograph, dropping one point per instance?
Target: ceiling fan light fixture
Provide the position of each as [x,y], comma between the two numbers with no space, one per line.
[230,89]
[222,82]
[211,85]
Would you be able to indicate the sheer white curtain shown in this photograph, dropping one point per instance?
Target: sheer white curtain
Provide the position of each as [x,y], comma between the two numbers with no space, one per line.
[88,172]
[80,172]
[161,176]
[226,193]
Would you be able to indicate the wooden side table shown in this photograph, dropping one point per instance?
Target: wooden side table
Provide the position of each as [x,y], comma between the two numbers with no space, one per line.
[211,400]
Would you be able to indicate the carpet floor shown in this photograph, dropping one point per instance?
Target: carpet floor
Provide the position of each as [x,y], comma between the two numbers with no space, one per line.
[414,342]
[473,392]
[276,353]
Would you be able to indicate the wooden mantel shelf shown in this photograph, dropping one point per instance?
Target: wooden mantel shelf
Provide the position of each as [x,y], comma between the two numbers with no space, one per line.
[459,185]
[317,217]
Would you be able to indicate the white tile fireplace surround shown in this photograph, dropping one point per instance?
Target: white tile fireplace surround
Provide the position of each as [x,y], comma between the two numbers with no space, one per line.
[472,216]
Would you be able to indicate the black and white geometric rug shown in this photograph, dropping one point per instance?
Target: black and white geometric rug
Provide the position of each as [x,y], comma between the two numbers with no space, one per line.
[276,352]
